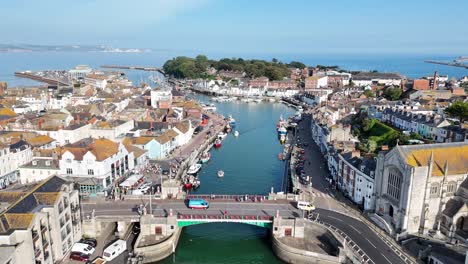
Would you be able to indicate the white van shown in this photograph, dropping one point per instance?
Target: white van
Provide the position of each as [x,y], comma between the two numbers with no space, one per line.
[305,206]
[114,250]
[82,248]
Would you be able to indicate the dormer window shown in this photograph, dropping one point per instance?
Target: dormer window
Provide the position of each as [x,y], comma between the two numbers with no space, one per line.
[34,163]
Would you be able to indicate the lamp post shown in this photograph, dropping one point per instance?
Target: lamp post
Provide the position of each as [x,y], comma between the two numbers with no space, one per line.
[151,204]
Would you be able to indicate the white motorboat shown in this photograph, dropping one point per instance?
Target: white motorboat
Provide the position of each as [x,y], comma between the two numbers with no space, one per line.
[194,168]
[220,173]
[222,135]
[236,133]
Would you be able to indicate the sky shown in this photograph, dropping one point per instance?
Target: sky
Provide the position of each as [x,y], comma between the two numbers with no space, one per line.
[243,26]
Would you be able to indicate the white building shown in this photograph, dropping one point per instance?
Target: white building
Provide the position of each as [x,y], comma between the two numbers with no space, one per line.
[96,80]
[114,130]
[73,133]
[38,170]
[79,72]
[185,131]
[414,183]
[41,224]
[161,98]
[100,160]
[11,158]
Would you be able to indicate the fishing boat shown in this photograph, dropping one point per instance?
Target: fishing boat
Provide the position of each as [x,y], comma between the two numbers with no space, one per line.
[280,156]
[282,138]
[196,184]
[280,123]
[228,128]
[188,185]
[217,143]
[282,130]
[221,135]
[258,100]
[236,133]
[220,173]
[194,168]
[205,157]
[231,121]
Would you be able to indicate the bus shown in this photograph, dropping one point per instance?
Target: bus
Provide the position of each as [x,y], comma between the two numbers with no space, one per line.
[198,204]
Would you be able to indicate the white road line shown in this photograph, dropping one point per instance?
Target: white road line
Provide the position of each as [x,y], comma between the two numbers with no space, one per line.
[336,218]
[370,243]
[386,258]
[359,232]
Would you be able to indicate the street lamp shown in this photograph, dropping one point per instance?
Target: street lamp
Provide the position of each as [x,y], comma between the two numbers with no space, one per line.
[151,204]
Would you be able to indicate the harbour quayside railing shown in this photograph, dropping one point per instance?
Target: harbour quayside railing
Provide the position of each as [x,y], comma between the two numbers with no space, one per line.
[237,198]
[265,221]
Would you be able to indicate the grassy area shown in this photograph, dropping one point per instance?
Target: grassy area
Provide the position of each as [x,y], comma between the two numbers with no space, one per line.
[382,134]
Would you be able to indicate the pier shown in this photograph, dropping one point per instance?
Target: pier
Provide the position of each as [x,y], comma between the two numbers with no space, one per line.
[454,64]
[140,68]
[35,77]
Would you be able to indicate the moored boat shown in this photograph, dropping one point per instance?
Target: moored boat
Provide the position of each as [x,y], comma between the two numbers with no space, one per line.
[188,185]
[194,168]
[220,173]
[221,135]
[217,143]
[231,121]
[205,157]
[236,133]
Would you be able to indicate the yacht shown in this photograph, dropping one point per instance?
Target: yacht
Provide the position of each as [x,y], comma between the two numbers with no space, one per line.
[194,168]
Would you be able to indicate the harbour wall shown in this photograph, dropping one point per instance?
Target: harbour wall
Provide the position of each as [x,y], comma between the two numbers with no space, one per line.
[161,250]
[292,255]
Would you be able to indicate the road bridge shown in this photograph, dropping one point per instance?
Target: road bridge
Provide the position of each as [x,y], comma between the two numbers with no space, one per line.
[254,211]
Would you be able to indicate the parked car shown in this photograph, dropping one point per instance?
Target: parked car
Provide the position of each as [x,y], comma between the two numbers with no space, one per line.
[145,187]
[90,241]
[79,256]
[82,248]
[165,172]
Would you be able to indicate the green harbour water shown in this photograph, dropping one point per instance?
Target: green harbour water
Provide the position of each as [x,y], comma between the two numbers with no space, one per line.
[251,166]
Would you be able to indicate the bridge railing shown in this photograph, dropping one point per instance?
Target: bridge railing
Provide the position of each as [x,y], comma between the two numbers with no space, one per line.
[224,217]
[230,197]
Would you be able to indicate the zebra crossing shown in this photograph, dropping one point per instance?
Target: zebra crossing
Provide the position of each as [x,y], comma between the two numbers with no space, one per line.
[321,195]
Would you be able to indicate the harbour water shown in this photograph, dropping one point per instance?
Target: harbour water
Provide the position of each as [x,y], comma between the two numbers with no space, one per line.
[251,165]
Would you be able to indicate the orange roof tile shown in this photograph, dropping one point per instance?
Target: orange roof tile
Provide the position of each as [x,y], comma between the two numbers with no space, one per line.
[46,198]
[19,221]
[456,156]
[40,140]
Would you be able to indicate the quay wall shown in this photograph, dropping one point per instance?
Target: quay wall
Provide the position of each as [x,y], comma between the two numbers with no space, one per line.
[160,251]
[292,255]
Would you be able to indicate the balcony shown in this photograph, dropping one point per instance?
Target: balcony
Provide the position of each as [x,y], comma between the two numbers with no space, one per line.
[74,208]
[37,253]
[45,244]
[43,228]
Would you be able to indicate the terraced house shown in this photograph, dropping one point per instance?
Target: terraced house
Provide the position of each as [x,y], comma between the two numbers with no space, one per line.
[95,163]
[40,224]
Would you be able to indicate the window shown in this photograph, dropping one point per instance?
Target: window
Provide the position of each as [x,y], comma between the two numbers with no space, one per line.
[434,192]
[394,181]
[451,187]
[90,172]
[68,160]
[69,171]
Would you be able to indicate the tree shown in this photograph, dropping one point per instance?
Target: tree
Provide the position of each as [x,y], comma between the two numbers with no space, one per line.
[392,93]
[369,93]
[274,60]
[371,145]
[458,110]
[296,64]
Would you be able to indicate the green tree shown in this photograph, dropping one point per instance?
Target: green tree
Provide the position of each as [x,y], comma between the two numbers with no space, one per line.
[296,64]
[371,146]
[369,93]
[458,110]
[201,62]
[392,93]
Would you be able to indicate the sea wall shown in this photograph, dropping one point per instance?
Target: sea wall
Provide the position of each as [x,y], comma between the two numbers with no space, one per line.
[160,251]
[297,256]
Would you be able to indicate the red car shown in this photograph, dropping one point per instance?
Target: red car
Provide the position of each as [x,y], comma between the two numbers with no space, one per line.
[79,256]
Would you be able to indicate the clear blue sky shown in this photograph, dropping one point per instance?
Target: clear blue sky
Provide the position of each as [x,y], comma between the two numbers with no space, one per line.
[244,26]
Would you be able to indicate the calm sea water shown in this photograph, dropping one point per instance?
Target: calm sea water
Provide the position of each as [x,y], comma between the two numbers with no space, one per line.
[251,166]
[412,66]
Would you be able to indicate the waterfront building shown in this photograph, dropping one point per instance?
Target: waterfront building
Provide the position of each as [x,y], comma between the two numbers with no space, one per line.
[185,131]
[40,224]
[283,84]
[12,156]
[414,183]
[260,82]
[231,74]
[338,79]
[316,81]
[79,72]
[95,163]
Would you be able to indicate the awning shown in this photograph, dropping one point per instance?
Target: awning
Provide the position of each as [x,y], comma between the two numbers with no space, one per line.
[132,180]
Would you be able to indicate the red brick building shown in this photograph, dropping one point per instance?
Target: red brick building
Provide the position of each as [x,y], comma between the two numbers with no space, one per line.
[421,84]
[260,82]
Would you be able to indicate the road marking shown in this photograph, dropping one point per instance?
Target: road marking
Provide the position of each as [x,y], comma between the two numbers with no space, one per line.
[370,242]
[359,232]
[336,218]
[386,258]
